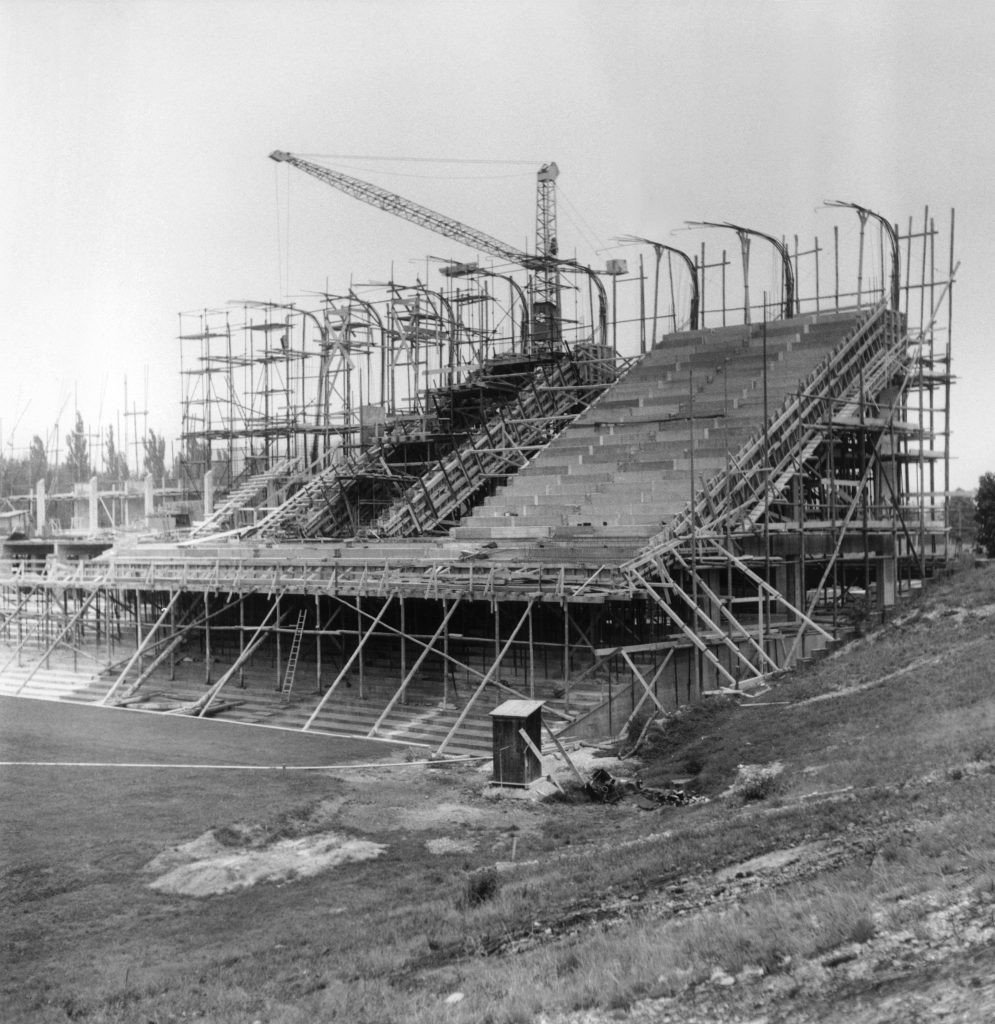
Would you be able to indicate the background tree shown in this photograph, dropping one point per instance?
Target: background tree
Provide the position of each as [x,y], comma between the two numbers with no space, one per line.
[984,513]
[960,519]
[155,456]
[37,462]
[78,453]
[115,462]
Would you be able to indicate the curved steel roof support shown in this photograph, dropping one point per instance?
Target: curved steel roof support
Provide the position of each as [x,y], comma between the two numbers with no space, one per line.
[896,259]
[473,270]
[788,272]
[659,249]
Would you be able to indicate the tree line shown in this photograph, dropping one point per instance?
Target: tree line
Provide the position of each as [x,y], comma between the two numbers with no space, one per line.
[18,476]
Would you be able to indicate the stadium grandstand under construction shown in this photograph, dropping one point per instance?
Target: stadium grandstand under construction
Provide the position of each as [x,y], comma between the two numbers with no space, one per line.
[609,489]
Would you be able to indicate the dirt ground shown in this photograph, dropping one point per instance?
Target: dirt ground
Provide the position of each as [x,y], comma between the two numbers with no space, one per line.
[166,870]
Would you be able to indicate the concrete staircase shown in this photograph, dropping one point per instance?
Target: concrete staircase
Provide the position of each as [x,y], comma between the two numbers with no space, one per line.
[243,505]
[624,467]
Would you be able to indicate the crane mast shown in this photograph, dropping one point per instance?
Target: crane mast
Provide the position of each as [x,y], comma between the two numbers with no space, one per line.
[546,285]
[544,264]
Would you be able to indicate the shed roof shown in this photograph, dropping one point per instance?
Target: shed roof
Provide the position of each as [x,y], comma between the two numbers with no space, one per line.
[517,708]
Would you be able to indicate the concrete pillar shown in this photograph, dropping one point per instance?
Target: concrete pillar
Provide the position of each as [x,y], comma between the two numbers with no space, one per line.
[149,496]
[208,493]
[887,579]
[788,583]
[40,506]
[94,507]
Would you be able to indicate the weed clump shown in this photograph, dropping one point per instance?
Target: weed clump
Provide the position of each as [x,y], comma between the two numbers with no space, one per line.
[864,929]
[478,887]
[757,781]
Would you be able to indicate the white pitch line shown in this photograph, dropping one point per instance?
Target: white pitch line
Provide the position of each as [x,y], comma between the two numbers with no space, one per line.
[235,767]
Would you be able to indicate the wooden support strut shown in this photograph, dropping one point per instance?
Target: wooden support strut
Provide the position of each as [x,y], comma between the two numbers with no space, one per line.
[642,700]
[142,647]
[345,668]
[697,610]
[647,687]
[421,643]
[80,612]
[733,621]
[487,678]
[566,757]
[414,668]
[200,706]
[648,588]
[851,511]
[172,644]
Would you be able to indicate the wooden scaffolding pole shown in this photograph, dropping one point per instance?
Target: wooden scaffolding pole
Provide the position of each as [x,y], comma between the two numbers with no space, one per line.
[80,612]
[414,668]
[140,650]
[487,678]
[352,657]
[200,707]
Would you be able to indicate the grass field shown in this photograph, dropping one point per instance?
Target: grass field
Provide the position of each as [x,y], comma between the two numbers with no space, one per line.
[873,853]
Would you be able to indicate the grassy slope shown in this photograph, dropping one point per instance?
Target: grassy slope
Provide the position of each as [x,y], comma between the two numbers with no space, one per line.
[886,790]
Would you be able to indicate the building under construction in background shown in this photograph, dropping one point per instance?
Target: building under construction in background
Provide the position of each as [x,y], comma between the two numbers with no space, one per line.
[611,489]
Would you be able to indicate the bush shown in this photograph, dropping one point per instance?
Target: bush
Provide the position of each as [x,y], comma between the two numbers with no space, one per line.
[757,781]
[478,887]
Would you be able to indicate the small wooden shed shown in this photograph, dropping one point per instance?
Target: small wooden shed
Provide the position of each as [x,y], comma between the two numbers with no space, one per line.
[515,760]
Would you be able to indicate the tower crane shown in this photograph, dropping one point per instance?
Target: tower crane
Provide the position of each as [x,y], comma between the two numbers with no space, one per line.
[545,264]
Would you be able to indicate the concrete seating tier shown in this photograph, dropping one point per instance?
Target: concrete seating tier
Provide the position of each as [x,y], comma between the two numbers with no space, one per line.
[624,467]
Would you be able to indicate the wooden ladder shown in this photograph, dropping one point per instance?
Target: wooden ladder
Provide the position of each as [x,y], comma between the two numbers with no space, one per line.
[295,650]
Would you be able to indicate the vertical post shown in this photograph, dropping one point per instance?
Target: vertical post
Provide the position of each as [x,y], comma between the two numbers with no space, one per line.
[359,630]
[241,644]
[922,278]
[862,215]
[404,659]
[702,268]
[723,287]
[932,362]
[744,246]
[615,314]
[208,493]
[138,628]
[317,641]
[93,507]
[832,504]
[946,377]
[761,640]
[279,639]
[801,588]
[836,261]
[566,656]
[766,453]
[658,250]
[149,497]
[642,307]
[74,636]
[694,529]
[446,669]
[532,681]
[172,631]
[817,297]
[497,628]
[40,507]
[207,639]
[864,481]
[108,603]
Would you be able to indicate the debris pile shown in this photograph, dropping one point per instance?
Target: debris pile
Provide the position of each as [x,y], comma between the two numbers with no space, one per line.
[604,788]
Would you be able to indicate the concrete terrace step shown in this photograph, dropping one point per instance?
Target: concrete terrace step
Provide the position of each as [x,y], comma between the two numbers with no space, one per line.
[626,463]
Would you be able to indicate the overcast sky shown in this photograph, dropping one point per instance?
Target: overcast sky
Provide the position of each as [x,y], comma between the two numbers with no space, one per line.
[136,184]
